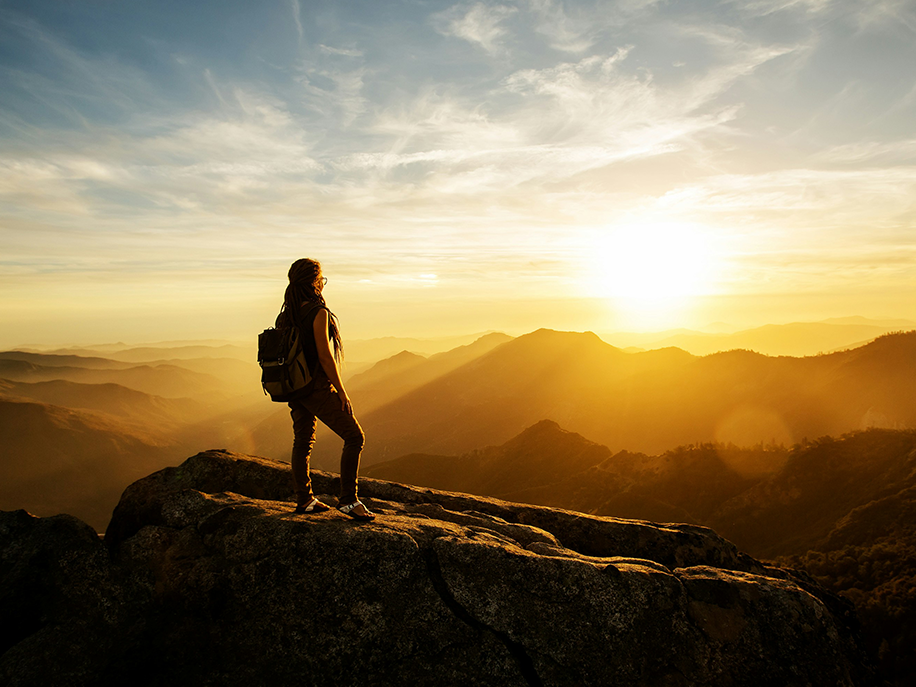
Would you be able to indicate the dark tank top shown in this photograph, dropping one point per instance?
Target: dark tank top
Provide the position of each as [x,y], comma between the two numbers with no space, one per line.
[306,321]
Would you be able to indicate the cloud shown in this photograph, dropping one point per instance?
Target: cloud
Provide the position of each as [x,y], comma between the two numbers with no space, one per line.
[477,23]
[870,15]
[803,205]
[766,7]
[886,14]
[563,31]
[332,91]
[196,163]
[870,152]
[345,52]
[382,151]
[297,20]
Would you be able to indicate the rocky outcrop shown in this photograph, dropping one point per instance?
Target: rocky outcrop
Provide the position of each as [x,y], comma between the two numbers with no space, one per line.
[206,577]
[59,603]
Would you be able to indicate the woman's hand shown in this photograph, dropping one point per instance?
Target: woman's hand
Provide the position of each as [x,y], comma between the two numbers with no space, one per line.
[345,404]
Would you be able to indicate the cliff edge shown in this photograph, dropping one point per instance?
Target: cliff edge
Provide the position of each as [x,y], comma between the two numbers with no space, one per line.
[206,577]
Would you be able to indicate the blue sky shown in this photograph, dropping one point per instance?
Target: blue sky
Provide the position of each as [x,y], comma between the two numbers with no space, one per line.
[456,166]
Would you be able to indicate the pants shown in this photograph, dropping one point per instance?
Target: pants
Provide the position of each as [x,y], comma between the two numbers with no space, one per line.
[323,403]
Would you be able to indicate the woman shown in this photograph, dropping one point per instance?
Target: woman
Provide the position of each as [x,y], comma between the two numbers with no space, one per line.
[324,398]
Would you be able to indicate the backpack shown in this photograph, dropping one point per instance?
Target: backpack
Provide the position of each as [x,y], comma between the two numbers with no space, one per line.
[284,369]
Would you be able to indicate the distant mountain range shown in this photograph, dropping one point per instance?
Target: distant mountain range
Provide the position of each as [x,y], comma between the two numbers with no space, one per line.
[648,401]
[484,393]
[55,459]
[406,371]
[794,339]
[202,378]
[146,353]
[76,429]
[114,399]
[373,350]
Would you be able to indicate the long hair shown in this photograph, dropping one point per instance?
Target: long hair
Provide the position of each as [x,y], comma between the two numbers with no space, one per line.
[305,287]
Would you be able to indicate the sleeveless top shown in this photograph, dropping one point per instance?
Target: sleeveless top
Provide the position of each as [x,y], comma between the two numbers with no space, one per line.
[306,321]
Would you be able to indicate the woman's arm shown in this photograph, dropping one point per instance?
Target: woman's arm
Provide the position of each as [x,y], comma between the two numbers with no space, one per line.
[326,358]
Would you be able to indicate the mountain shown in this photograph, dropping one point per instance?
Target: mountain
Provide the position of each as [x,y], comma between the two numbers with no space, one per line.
[56,460]
[60,360]
[821,484]
[170,381]
[164,350]
[550,466]
[648,401]
[384,379]
[234,377]
[395,376]
[373,350]
[793,339]
[187,352]
[107,398]
[770,500]
[205,576]
[483,401]
[893,324]
[544,455]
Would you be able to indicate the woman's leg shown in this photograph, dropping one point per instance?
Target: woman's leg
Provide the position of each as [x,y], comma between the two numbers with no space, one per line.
[303,440]
[347,428]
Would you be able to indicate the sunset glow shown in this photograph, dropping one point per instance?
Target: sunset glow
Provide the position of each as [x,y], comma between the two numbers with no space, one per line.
[654,268]
[456,166]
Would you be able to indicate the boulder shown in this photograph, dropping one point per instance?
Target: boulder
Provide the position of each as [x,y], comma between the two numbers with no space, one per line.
[58,596]
[207,577]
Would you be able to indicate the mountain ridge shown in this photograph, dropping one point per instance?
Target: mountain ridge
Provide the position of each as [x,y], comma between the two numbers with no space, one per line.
[618,398]
[55,459]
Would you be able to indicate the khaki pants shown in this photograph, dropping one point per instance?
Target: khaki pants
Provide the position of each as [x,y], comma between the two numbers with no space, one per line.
[321,402]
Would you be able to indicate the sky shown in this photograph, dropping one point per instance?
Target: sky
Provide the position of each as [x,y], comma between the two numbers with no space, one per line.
[456,167]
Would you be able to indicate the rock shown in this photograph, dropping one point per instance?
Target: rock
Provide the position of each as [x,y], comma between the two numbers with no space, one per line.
[59,603]
[212,580]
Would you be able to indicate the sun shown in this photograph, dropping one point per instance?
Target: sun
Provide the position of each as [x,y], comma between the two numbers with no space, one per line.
[651,270]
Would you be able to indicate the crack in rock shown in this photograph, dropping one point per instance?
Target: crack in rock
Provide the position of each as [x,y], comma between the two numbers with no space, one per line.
[515,649]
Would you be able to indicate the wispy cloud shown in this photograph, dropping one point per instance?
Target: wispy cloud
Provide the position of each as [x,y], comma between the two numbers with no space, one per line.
[346,52]
[886,13]
[802,206]
[870,153]
[478,23]
[564,32]
[765,7]
[297,19]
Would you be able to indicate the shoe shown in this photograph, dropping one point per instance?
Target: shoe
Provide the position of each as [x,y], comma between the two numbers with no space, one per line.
[351,507]
[313,506]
